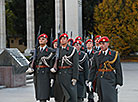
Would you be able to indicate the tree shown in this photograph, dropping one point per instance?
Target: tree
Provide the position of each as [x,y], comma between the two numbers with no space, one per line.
[118,19]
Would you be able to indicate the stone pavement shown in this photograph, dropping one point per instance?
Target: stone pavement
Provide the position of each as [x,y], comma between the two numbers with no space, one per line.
[128,93]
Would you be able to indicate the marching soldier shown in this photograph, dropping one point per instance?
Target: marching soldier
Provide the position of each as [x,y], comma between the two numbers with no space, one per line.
[54,43]
[106,70]
[70,41]
[42,72]
[97,46]
[83,72]
[89,50]
[67,74]
[90,53]
[80,39]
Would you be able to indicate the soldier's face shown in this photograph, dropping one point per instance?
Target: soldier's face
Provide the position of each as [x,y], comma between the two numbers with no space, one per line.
[69,42]
[104,45]
[96,40]
[63,41]
[55,45]
[78,46]
[42,41]
[89,45]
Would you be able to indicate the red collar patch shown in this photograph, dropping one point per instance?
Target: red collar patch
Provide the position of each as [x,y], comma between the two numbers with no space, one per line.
[83,48]
[93,52]
[67,48]
[99,52]
[46,49]
[79,53]
[109,52]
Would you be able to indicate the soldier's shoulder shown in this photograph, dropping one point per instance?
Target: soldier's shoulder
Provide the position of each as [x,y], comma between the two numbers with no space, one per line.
[114,52]
[51,49]
[96,53]
[83,53]
[70,48]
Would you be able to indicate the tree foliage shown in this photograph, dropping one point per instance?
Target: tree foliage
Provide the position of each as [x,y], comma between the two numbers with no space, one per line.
[16,17]
[118,19]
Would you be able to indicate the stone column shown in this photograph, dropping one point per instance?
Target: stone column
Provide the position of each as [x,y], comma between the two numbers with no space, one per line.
[71,17]
[30,25]
[2,25]
[58,16]
[80,17]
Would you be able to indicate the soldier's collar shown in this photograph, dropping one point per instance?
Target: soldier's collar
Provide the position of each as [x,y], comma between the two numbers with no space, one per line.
[43,47]
[66,48]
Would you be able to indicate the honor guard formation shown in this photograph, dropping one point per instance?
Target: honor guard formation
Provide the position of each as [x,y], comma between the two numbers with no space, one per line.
[73,70]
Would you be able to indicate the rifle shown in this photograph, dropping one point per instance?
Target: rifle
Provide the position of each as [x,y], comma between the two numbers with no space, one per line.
[54,69]
[51,38]
[35,51]
[84,40]
[71,38]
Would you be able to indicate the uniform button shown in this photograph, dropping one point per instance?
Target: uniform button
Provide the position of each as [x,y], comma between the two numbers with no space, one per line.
[43,71]
[59,72]
[65,72]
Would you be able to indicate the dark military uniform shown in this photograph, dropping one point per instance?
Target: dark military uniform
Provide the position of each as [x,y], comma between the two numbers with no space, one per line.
[90,56]
[67,70]
[42,73]
[83,75]
[96,49]
[106,69]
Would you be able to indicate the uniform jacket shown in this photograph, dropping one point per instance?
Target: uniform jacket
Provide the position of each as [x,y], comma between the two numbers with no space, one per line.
[42,75]
[107,81]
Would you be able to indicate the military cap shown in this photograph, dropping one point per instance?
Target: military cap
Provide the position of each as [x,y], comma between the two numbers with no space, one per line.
[77,41]
[54,41]
[78,38]
[104,39]
[89,40]
[70,40]
[98,36]
[43,35]
[63,35]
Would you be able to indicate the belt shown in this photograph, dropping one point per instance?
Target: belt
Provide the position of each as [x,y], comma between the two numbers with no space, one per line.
[64,67]
[41,66]
[105,70]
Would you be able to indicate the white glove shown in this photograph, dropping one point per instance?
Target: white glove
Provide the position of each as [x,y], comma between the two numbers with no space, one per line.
[118,87]
[51,82]
[74,81]
[90,86]
[53,70]
[95,97]
[29,70]
[86,82]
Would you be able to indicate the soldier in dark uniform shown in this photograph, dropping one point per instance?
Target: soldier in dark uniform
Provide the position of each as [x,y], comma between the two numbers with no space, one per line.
[106,69]
[90,52]
[83,72]
[70,41]
[67,74]
[42,72]
[80,39]
[54,43]
[97,46]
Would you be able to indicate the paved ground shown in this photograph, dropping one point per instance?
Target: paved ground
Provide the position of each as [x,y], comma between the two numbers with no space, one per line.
[128,93]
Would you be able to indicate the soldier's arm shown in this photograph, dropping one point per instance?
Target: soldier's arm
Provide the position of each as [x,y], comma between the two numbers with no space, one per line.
[52,60]
[86,70]
[75,65]
[118,68]
[92,73]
